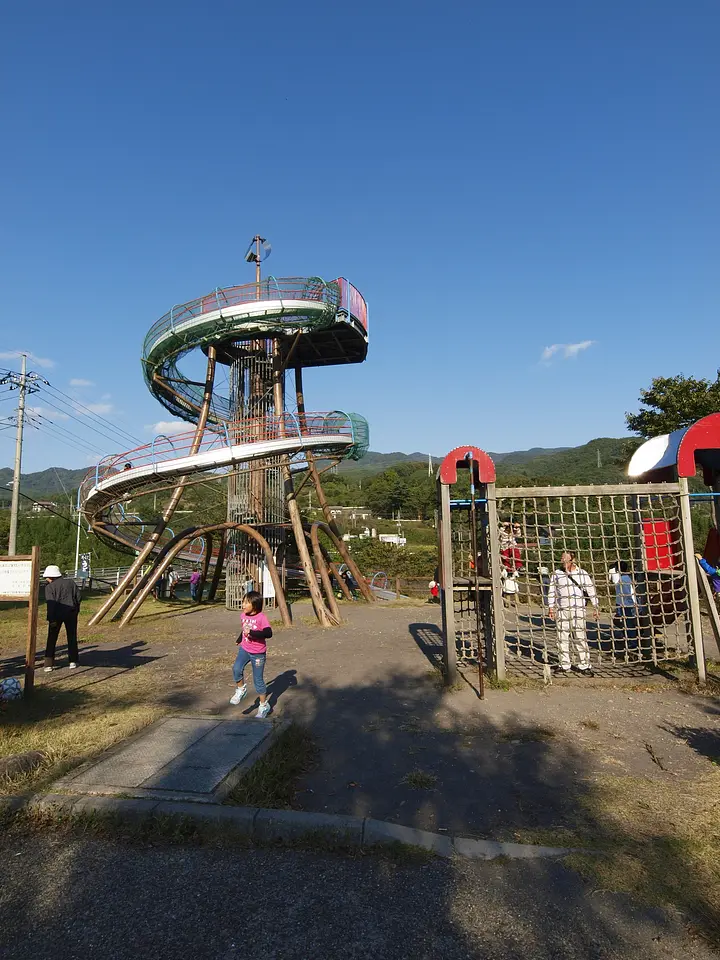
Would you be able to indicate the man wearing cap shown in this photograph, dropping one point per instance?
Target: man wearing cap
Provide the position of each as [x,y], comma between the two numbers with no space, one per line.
[62,598]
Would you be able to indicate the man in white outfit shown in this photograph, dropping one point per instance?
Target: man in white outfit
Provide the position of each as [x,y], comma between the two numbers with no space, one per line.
[568,589]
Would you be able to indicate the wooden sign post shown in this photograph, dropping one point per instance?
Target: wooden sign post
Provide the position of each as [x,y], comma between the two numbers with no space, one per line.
[20,580]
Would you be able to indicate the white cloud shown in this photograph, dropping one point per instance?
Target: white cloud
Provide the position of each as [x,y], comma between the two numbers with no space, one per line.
[36,361]
[81,383]
[170,428]
[567,351]
[100,408]
[46,412]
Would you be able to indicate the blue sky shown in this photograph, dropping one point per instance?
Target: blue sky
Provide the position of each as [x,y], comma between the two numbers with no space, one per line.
[504,181]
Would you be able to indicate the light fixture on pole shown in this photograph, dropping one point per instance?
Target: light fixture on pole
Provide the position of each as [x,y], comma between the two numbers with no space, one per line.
[258,251]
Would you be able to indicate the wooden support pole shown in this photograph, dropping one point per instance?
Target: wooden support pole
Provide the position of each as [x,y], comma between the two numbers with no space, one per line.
[447,594]
[170,509]
[692,584]
[217,573]
[31,647]
[293,508]
[322,499]
[496,640]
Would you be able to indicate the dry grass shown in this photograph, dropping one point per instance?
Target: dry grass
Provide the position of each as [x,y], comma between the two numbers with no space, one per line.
[154,617]
[658,840]
[74,723]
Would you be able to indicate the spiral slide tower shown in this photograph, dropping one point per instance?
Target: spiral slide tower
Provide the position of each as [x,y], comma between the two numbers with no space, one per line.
[250,444]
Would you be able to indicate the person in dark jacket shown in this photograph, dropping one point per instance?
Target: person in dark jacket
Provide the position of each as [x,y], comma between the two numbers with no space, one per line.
[62,598]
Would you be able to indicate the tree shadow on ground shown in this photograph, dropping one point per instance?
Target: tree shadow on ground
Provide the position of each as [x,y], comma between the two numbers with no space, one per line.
[394,749]
[702,740]
[44,704]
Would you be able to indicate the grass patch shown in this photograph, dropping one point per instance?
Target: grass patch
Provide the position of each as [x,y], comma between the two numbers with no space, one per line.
[71,724]
[590,724]
[658,840]
[411,725]
[154,617]
[273,780]
[419,780]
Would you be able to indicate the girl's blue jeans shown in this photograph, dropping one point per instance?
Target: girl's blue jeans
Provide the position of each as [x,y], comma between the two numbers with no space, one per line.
[257,661]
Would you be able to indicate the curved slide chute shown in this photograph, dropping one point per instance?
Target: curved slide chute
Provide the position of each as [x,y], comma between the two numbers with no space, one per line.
[300,321]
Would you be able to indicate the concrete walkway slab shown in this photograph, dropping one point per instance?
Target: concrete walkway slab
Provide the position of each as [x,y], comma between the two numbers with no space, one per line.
[180,758]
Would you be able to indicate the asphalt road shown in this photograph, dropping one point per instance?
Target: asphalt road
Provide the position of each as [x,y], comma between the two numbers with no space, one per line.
[66,898]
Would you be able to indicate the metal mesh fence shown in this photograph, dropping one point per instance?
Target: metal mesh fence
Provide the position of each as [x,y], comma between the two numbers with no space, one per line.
[626,597]
[255,491]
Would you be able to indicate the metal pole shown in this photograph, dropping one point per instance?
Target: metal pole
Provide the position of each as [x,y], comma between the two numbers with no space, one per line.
[15,503]
[447,582]
[498,638]
[77,539]
[473,547]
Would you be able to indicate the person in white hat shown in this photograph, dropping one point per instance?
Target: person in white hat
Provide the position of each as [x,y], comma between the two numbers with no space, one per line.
[62,598]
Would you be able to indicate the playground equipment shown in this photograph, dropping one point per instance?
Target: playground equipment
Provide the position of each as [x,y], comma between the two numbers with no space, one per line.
[677,457]
[497,538]
[248,441]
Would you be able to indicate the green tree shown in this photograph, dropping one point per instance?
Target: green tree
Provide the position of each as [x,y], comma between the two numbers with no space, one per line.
[386,493]
[671,403]
[421,494]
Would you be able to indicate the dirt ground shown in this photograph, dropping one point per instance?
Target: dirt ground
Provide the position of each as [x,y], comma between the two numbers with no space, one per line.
[628,766]
[394,744]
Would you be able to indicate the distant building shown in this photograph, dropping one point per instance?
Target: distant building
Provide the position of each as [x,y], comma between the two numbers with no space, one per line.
[350,514]
[393,538]
[41,506]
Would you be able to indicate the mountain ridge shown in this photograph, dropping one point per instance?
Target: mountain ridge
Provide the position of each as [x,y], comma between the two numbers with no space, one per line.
[60,482]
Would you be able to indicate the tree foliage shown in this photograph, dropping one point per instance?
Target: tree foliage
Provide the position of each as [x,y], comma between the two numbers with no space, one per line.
[671,403]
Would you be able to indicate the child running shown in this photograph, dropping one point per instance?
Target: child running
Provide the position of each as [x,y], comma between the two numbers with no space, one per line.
[254,634]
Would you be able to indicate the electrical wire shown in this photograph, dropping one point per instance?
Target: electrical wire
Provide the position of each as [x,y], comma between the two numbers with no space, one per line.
[113,440]
[50,432]
[120,431]
[64,431]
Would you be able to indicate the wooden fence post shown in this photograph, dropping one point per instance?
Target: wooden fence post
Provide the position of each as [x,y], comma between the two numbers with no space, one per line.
[31,645]
[692,584]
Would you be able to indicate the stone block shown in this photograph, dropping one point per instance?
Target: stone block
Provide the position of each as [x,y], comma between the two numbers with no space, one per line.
[491,849]
[380,832]
[284,825]
[237,819]
[127,808]
[52,803]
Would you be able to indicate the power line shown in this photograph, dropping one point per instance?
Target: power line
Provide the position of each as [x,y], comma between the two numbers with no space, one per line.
[64,430]
[68,441]
[120,431]
[83,423]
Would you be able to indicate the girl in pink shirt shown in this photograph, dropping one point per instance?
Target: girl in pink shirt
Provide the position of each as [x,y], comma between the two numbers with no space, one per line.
[254,634]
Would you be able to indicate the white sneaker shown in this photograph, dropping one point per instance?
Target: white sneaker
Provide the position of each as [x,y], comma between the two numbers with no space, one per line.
[72,666]
[47,669]
[238,695]
[263,710]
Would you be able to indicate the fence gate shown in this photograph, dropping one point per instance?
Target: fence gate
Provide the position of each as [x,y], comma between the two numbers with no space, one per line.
[640,531]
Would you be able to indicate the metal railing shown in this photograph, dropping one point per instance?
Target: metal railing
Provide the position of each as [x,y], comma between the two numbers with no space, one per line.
[271,288]
[257,430]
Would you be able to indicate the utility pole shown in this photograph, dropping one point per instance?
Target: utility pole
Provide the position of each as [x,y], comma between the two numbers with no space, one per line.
[18,382]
